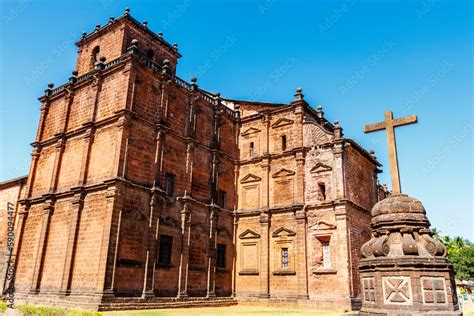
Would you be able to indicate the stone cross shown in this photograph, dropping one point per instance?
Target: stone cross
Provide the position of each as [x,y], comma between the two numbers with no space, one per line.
[389,125]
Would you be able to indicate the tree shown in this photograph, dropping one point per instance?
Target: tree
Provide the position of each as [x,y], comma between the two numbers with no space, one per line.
[460,253]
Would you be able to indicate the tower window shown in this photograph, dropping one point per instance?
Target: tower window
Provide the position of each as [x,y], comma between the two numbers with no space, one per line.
[222,198]
[166,248]
[220,260]
[326,255]
[94,56]
[283,142]
[252,149]
[284,258]
[322,191]
[169,185]
[150,54]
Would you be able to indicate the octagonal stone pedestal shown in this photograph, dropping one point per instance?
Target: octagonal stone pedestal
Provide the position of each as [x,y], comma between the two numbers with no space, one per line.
[404,270]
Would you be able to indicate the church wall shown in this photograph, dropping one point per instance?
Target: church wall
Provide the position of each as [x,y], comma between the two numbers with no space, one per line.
[326,283]
[131,255]
[102,155]
[55,252]
[360,179]
[248,269]
[54,121]
[284,281]
[225,237]
[112,95]
[85,272]
[141,152]
[81,107]
[359,233]
[70,165]
[44,171]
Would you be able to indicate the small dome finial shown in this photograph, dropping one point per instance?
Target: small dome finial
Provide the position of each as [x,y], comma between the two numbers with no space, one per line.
[50,85]
[193,80]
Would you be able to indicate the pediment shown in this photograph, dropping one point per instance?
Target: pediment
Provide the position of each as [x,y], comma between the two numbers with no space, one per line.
[283,173]
[250,131]
[281,232]
[169,221]
[249,234]
[250,178]
[282,122]
[320,167]
[133,214]
[323,225]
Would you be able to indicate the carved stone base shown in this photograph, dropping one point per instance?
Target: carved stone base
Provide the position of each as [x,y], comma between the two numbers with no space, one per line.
[408,286]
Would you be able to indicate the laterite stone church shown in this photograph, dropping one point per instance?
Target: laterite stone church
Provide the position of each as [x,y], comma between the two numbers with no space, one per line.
[148,191]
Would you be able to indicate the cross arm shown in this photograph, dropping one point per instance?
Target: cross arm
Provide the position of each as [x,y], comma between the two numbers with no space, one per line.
[405,121]
[374,127]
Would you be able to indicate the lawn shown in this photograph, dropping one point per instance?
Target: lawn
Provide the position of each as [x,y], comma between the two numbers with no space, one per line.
[225,311]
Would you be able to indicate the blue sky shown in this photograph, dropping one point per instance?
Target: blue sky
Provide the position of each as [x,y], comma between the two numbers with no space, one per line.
[356,58]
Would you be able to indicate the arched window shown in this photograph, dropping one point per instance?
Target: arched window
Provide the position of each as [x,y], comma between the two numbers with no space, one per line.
[94,56]
[150,54]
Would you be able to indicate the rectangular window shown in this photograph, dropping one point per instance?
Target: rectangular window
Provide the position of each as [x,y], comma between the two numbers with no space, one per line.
[284,258]
[166,247]
[222,199]
[322,191]
[283,142]
[220,260]
[169,185]
[326,255]
[251,153]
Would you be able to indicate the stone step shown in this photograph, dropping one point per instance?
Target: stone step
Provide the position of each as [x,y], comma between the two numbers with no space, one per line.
[218,302]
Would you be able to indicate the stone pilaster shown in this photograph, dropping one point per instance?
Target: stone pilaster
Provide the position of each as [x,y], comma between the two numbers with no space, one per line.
[339,171]
[151,234]
[75,218]
[109,244]
[212,252]
[48,208]
[184,255]
[301,248]
[264,255]
[300,178]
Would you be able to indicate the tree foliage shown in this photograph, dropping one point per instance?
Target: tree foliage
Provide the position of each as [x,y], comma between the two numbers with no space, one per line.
[460,253]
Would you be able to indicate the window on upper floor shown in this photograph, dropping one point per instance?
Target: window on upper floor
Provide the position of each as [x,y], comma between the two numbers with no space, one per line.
[284,258]
[221,256]
[326,254]
[252,150]
[94,57]
[169,185]
[322,191]
[283,142]
[150,54]
[222,198]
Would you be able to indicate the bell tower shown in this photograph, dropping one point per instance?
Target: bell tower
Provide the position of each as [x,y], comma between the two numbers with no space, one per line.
[112,40]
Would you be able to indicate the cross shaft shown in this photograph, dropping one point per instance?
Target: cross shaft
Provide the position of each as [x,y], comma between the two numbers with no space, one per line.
[389,125]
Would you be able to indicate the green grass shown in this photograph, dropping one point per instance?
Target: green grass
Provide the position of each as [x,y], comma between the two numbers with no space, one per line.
[28,310]
[239,310]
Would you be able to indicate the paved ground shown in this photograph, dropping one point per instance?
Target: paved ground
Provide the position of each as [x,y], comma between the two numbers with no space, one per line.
[238,310]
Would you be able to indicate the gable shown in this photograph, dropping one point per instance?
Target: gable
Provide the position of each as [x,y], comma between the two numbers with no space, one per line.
[249,234]
[323,225]
[320,167]
[282,122]
[250,131]
[283,173]
[250,178]
[282,232]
